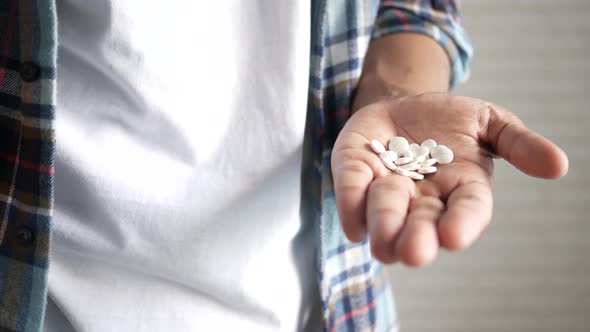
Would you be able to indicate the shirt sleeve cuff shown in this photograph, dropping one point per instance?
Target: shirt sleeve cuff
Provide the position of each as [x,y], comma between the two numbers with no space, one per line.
[439,20]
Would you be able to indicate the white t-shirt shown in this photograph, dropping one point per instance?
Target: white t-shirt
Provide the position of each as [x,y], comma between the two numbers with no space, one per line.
[179,133]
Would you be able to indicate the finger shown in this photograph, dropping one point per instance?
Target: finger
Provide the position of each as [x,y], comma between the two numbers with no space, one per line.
[351,182]
[387,206]
[526,150]
[469,211]
[417,244]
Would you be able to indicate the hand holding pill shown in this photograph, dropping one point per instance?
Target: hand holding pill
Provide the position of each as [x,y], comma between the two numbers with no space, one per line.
[412,205]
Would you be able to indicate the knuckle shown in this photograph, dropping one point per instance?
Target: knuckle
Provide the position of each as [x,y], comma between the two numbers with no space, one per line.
[351,172]
[383,214]
[428,202]
[384,184]
[352,165]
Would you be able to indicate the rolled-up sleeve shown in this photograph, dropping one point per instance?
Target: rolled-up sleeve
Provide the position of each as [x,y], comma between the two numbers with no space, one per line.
[439,19]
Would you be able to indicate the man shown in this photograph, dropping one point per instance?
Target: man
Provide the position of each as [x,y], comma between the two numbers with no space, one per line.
[180,133]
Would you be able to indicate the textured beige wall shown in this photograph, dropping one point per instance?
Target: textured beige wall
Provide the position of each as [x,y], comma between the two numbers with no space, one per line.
[531,271]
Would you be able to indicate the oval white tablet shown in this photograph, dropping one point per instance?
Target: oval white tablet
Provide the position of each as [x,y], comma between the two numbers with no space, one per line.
[398,144]
[427,170]
[406,153]
[377,146]
[387,161]
[385,156]
[422,151]
[429,162]
[403,172]
[414,148]
[404,160]
[420,159]
[443,154]
[393,155]
[411,166]
[429,144]
[416,176]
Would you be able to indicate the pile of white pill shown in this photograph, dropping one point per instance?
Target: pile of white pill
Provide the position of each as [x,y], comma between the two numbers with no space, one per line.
[412,160]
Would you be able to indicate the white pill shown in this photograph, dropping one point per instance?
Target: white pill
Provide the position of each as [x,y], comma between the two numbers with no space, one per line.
[420,159]
[406,153]
[393,155]
[404,160]
[422,151]
[443,154]
[429,143]
[417,150]
[416,176]
[398,144]
[377,146]
[387,161]
[403,172]
[411,166]
[429,162]
[427,170]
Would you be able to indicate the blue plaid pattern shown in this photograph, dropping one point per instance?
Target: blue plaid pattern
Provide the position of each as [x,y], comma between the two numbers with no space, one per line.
[28,45]
[355,293]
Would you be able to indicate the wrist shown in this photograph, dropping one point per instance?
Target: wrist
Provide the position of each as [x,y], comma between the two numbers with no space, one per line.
[399,65]
[372,89]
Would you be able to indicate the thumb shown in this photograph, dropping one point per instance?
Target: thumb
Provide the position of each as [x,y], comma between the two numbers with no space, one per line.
[528,151]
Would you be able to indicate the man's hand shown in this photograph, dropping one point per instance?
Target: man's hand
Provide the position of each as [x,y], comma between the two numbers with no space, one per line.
[407,220]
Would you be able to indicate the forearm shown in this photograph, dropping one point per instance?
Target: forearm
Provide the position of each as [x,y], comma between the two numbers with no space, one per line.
[401,64]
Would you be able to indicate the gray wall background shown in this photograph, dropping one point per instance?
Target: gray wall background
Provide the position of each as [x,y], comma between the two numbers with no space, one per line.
[531,271]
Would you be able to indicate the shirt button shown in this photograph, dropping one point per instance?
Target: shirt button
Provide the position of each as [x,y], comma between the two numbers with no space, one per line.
[24,235]
[29,71]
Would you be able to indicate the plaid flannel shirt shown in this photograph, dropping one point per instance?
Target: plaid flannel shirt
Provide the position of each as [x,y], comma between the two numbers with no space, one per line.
[355,295]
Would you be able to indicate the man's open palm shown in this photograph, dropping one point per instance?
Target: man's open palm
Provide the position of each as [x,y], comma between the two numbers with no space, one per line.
[409,220]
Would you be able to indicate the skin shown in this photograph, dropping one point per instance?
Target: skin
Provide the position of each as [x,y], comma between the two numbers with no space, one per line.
[402,92]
